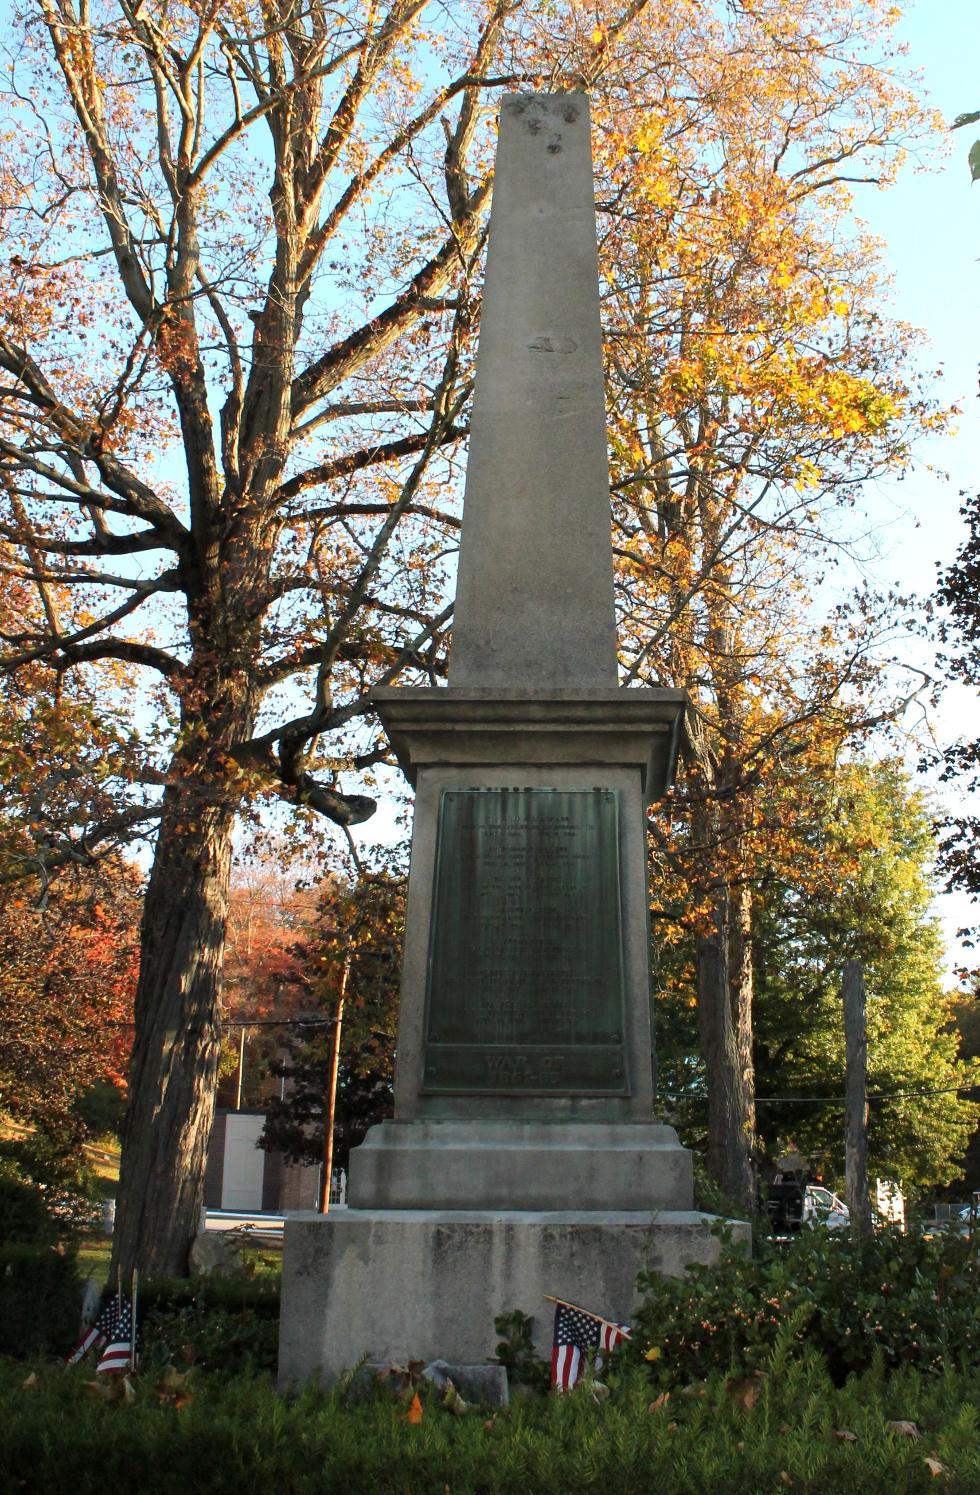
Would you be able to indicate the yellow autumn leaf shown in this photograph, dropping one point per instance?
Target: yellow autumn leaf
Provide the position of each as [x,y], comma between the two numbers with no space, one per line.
[653,1353]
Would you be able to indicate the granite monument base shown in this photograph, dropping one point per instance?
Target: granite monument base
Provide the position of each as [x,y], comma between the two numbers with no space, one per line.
[520,1165]
[397,1285]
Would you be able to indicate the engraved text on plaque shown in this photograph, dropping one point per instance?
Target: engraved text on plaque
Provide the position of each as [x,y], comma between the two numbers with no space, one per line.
[525,989]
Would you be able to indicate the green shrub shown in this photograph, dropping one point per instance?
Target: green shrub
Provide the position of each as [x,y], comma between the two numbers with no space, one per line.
[222,1324]
[56,1167]
[101,1109]
[259,1294]
[515,1351]
[40,1299]
[24,1215]
[906,1299]
[213,1338]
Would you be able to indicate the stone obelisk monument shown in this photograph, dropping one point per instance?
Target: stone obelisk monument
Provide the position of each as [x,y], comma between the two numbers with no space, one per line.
[523,1157]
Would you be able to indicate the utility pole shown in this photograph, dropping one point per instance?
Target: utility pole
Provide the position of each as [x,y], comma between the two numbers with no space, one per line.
[241,1068]
[856,1098]
[331,1105]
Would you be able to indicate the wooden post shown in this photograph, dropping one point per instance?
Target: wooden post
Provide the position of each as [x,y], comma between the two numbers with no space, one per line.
[331,1105]
[856,1098]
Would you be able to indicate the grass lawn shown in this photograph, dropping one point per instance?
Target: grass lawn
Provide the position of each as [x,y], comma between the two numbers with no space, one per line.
[179,1431]
[94,1251]
[103,1159]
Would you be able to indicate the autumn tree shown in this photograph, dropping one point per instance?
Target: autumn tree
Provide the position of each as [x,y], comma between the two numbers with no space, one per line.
[966,1027]
[879,833]
[960,631]
[755,384]
[68,971]
[352,947]
[863,890]
[237,341]
[973,159]
[271,909]
[235,338]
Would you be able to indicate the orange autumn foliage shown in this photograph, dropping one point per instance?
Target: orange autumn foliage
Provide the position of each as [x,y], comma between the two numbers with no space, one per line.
[67,979]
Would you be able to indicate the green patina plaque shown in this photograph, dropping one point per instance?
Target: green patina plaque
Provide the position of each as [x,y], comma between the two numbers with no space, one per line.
[525,981]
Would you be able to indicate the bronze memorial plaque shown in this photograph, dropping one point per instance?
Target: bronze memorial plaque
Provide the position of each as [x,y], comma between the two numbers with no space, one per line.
[525,986]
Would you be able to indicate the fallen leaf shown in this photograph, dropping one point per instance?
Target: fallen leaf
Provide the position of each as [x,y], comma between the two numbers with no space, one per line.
[487,1426]
[659,1402]
[106,1388]
[173,1390]
[32,1382]
[934,1467]
[745,1390]
[906,1429]
[672,1427]
[415,1413]
[844,1435]
[653,1353]
[784,1477]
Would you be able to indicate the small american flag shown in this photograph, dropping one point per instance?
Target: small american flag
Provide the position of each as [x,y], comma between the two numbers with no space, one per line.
[578,1333]
[101,1328]
[118,1352]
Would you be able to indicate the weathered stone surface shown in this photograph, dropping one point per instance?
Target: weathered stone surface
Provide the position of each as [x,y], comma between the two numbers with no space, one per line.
[636,1103]
[215,1253]
[485,1385]
[461,1207]
[400,1285]
[537,470]
[501,1165]
[637,729]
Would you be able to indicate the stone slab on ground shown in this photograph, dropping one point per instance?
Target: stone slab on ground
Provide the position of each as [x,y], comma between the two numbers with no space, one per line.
[215,1255]
[399,1285]
[520,1165]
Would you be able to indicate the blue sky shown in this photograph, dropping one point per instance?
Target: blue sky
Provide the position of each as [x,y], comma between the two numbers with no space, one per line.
[930,222]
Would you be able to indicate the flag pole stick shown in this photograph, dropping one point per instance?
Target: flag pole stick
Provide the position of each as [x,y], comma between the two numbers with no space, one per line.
[564,1303]
[132,1326]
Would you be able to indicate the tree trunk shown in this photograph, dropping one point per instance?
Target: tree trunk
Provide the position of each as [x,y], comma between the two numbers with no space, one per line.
[856,1099]
[728,1156]
[741,991]
[174,1065]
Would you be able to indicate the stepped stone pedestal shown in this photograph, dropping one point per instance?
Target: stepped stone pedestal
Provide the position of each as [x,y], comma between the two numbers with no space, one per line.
[524,1157]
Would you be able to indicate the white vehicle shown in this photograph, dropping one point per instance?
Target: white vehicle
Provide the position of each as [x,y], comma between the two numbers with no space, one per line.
[821,1207]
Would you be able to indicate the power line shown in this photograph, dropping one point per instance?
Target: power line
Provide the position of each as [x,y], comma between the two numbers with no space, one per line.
[833,1100]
